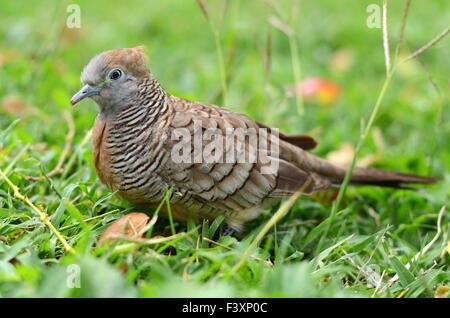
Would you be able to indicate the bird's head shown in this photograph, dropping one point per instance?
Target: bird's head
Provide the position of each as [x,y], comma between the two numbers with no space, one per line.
[112,77]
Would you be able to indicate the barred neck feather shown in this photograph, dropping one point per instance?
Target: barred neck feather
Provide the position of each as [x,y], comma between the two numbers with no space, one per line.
[149,100]
[148,96]
[135,144]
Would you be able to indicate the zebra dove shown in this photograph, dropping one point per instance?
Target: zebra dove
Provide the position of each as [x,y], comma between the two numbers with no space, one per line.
[138,153]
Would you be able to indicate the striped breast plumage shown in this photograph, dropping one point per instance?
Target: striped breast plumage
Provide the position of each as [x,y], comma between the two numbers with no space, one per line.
[128,153]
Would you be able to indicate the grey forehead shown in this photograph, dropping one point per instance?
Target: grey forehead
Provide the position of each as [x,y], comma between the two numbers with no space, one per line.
[94,72]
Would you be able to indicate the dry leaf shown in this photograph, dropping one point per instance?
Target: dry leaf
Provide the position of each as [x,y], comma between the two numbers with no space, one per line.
[280,25]
[341,60]
[403,293]
[59,67]
[442,292]
[316,90]
[13,105]
[123,268]
[40,146]
[129,225]
[8,56]
[70,35]
[343,155]
[204,8]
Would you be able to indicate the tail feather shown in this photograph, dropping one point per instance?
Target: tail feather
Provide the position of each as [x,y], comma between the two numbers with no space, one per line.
[384,178]
[335,173]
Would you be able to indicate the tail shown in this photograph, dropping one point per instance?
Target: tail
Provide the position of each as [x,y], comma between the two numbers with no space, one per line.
[384,178]
[363,176]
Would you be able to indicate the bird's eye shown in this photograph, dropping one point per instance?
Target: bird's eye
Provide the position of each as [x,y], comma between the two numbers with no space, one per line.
[115,74]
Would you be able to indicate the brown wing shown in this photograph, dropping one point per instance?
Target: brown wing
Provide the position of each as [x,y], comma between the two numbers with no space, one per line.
[221,184]
[232,185]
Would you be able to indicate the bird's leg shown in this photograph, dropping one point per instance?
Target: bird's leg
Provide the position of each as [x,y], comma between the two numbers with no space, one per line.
[227,231]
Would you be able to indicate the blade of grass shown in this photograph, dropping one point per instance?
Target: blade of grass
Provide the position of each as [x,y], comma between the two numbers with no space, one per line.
[387,54]
[367,128]
[69,140]
[280,213]
[73,158]
[430,44]
[219,52]
[42,215]
[169,209]
[402,30]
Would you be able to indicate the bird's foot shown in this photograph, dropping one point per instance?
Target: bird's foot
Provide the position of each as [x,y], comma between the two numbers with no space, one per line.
[227,231]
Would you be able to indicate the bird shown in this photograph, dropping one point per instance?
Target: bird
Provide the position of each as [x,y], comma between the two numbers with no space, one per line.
[148,143]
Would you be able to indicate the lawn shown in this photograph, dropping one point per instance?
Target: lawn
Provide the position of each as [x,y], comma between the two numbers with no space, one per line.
[246,56]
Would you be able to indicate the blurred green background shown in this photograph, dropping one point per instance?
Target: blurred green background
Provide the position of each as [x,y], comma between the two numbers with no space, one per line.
[40,63]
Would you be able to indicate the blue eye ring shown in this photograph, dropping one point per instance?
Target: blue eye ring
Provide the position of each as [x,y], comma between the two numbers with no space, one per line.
[115,74]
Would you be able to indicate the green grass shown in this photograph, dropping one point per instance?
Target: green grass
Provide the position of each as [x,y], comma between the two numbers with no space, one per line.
[375,232]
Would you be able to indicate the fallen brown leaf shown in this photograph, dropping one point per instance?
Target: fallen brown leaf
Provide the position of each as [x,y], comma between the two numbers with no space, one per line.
[442,292]
[129,225]
[341,60]
[123,268]
[59,67]
[13,105]
[70,35]
[8,56]
[344,155]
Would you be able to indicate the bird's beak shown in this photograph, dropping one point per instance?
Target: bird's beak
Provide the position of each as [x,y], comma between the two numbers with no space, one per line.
[84,92]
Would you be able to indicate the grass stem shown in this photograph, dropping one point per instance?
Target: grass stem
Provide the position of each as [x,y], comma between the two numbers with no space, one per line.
[278,215]
[42,215]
